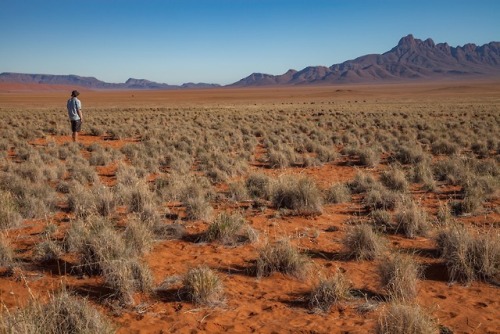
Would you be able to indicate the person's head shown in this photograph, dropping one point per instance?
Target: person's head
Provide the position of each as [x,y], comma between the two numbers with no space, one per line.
[75,93]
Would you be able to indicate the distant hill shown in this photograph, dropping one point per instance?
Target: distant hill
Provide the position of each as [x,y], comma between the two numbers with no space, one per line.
[409,60]
[93,83]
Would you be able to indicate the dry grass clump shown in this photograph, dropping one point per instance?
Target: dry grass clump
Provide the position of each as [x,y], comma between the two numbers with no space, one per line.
[195,197]
[362,243]
[139,197]
[443,146]
[138,237]
[80,201]
[467,256]
[422,173]
[230,229]
[402,318]
[329,291]
[258,185]
[80,170]
[399,275]
[126,276]
[473,200]
[362,182]
[411,219]
[84,202]
[6,252]
[300,195]
[443,215]
[47,251]
[379,197]
[62,314]
[395,179]
[368,157]
[279,158]
[281,257]
[202,286]
[409,154]
[237,191]
[25,198]
[104,200]
[338,193]
[198,207]
[103,250]
[9,215]
[382,219]
[452,170]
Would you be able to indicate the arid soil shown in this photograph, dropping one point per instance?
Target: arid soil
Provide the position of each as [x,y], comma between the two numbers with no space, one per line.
[278,303]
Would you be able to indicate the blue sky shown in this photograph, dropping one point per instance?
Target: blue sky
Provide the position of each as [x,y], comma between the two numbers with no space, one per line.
[222,41]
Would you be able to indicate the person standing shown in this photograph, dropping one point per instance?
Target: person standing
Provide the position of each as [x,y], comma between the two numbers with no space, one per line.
[75,114]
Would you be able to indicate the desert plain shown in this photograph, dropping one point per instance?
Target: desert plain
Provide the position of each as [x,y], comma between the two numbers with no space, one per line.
[348,177]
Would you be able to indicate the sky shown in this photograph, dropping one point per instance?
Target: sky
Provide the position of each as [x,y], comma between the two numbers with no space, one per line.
[222,41]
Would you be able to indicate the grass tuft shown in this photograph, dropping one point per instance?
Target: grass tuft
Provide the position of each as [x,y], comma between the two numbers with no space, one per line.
[362,243]
[329,291]
[399,275]
[202,286]
[282,257]
[300,195]
[405,319]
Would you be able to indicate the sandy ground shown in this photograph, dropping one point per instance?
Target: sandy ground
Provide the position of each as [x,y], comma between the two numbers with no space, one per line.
[274,304]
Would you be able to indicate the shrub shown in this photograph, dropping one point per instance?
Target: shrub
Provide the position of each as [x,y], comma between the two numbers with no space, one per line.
[328,292]
[338,193]
[411,219]
[405,319]
[202,286]
[362,243]
[300,195]
[399,275]
[230,229]
[281,257]
[62,314]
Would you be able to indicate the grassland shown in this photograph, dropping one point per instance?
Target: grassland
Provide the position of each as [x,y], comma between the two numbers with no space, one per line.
[320,209]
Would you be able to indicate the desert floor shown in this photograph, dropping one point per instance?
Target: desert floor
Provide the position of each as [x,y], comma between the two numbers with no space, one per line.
[276,303]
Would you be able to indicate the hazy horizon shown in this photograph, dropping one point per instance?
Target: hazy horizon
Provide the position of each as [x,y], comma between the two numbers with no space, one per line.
[222,41]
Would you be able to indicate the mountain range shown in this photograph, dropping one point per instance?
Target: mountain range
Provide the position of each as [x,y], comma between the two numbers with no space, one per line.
[410,59]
